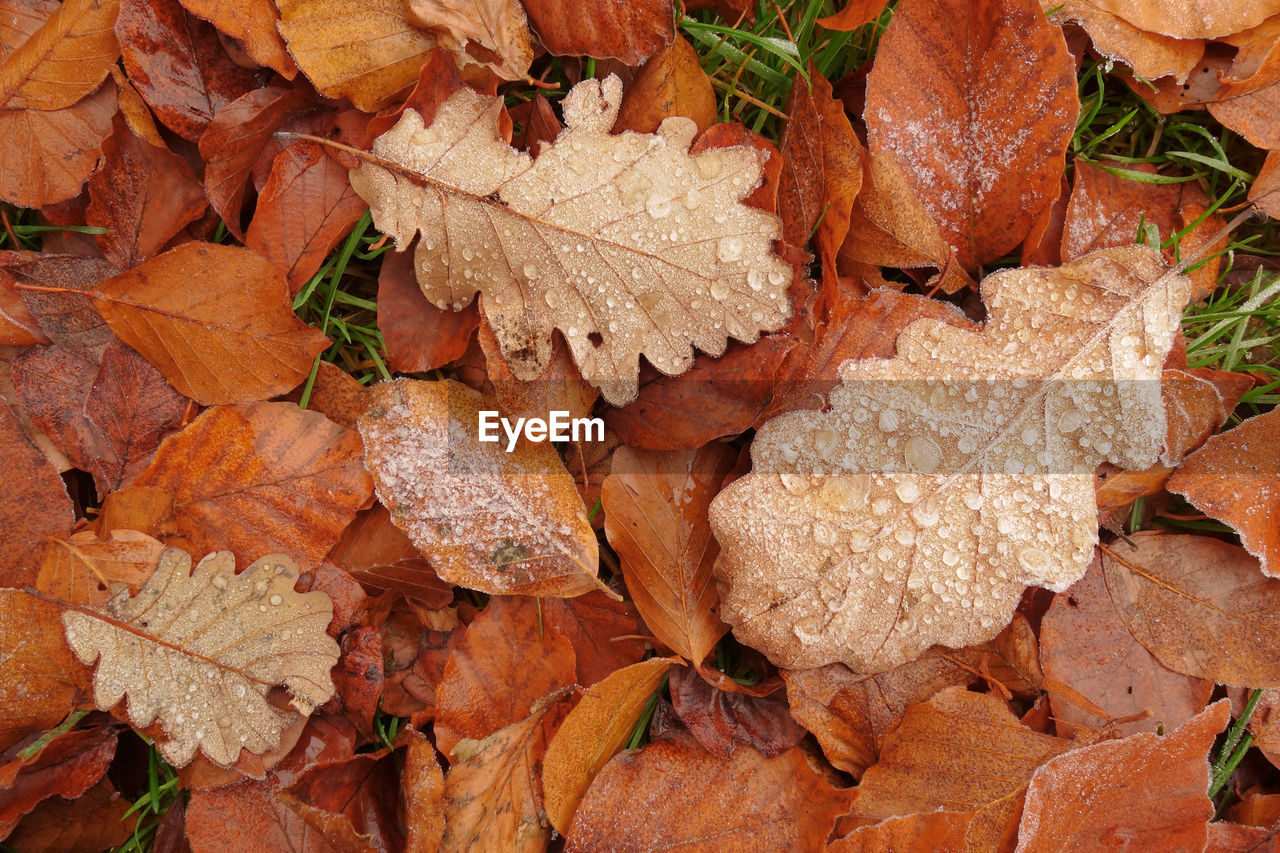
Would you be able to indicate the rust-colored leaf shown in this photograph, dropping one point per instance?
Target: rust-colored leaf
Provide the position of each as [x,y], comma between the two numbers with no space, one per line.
[422,792]
[939,832]
[1235,478]
[560,388]
[507,523]
[723,721]
[50,153]
[67,766]
[65,59]
[82,568]
[259,478]
[64,311]
[37,670]
[594,731]
[252,23]
[747,802]
[1199,605]
[1149,54]
[629,30]
[854,14]
[979,123]
[418,335]
[381,557]
[1153,786]
[351,802]
[493,34]
[655,509]
[96,820]
[605,633]
[1196,19]
[507,660]
[34,503]
[215,320]
[669,83]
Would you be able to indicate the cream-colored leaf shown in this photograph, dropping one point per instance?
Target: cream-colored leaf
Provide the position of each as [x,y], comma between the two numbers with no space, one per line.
[491,33]
[627,244]
[941,482]
[199,653]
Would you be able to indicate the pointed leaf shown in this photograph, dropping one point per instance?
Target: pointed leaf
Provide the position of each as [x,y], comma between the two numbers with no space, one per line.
[64,60]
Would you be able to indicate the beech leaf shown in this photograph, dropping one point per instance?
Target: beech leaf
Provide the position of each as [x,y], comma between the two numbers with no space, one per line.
[199,652]
[64,60]
[643,249]
[941,482]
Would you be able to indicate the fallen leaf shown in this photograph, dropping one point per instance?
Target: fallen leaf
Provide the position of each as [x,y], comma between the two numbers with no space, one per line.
[507,660]
[1265,189]
[95,820]
[1199,605]
[669,83]
[64,60]
[57,297]
[1149,54]
[52,385]
[422,792]
[1234,479]
[178,65]
[215,320]
[723,721]
[942,832]
[1154,786]
[37,683]
[1223,837]
[1085,645]
[252,23]
[1196,19]
[380,556]
[34,505]
[616,207]
[980,125]
[506,523]
[304,209]
[903,516]
[418,335]
[143,195]
[960,752]
[594,731]
[629,30]
[747,802]
[164,648]
[1197,403]
[261,477]
[83,568]
[854,14]
[560,389]
[67,766]
[367,52]
[490,33]
[493,792]
[655,511]
[351,802]
[605,632]
[50,153]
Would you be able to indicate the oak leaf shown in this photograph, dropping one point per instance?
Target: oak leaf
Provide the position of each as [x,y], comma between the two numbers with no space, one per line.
[627,244]
[199,652]
[943,481]
[252,23]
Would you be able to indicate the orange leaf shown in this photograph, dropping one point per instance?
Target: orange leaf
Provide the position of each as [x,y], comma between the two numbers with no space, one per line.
[670,83]
[1145,785]
[252,23]
[422,791]
[34,503]
[655,510]
[856,13]
[602,630]
[82,567]
[379,555]
[939,832]
[49,153]
[215,320]
[593,732]
[37,670]
[630,30]
[419,336]
[1199,605]
[1196,19]
[62,61]
[978,102]
[257,479]
[1234,478]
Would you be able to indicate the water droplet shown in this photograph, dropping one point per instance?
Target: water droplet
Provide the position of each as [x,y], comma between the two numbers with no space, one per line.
[1070,421]
[908,491]
[923,454]
[888,420]
[859,541]
[467,254]
[692,198]
[846,493]
[1033,560]
[905,535]
[973,500]
[220,581]
[777,277]
[823,534]
[755,278]
[276,600]
[552,298]
[720,289]
[710,164]
[950,557]
[657,206]
[730,248]
[926,514]
[824,441]
[796,484]
[530,270]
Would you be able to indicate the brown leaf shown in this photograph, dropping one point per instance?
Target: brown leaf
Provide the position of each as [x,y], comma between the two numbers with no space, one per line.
[261,477]
[506,523]
[368,53]
[940,832]
[422,793]
[1233,478]
[1223,837]
[1196,404]
[1197,19]
[65,767]
[491,33]
[747,802]
[507,660]
[92,822]
[493,792]
[223,635]
[65,59]
[1153,785]
[215,320]
[594,731]
[414,657]
[559,389]
[53,384]
[252,23]
[629,30]
[37,670]
[669,83]
[1199,605]
[51,152]
[1086,646]
[655,510]
[854,14]
[1265,189]
[723,721]
[960,752]
[82,568]
[351,803]
[1149,54]
[305,208]
[178,65]
[381,557]
[358,677]
[33,505]
[822,168]
[980,125]
[418,335]
[603,631]
[144,195]
[66,316]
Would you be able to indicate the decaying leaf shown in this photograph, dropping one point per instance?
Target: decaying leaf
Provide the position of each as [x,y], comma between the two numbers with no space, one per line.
[501,522]
[943,481]
[199,652]
[492,33]
[626,244]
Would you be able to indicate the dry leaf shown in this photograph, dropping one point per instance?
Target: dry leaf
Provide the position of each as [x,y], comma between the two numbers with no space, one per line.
[1199,605]
[1235,477]
[96,820]
[422,792]
[606,633]
[33,505]
[723,721]
[66,766]
[979,124]
[83,568]
[352,802]
[200,651]
[1192,19]
[629,30]
[507,523]
[252,23]
[943,481]
[655,516]
[670,83]
[1142,786]
[1150,55]
[418,335]
[939,832]
[37,684]
[625,244]
[65,59]
[490,33]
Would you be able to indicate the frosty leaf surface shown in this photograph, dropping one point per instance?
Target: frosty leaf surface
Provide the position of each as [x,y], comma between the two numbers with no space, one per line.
[627,244]
[198,653]
[941,482]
